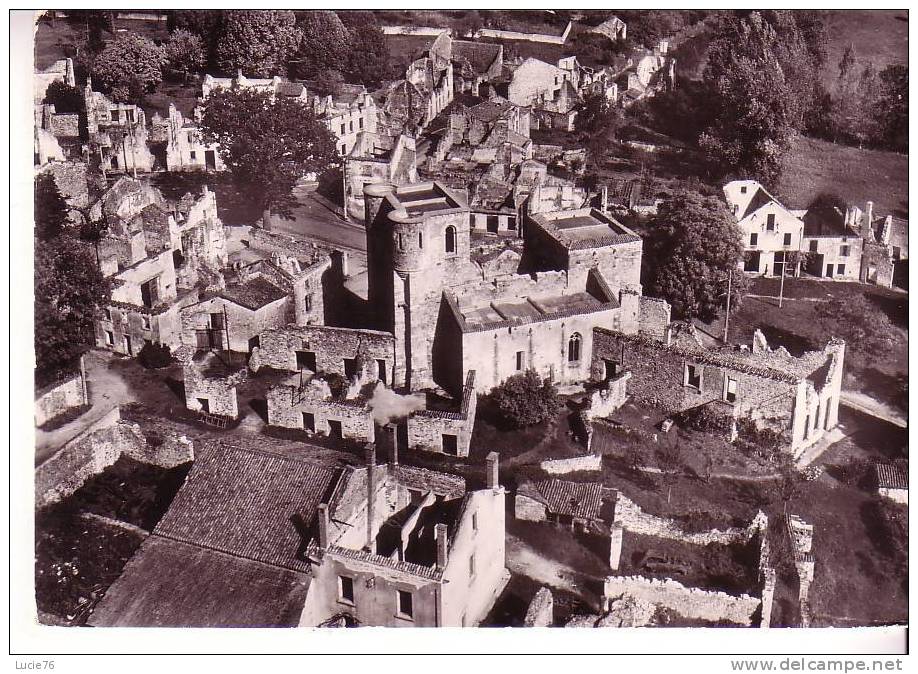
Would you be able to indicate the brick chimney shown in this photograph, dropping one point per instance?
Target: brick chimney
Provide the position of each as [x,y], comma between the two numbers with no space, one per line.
[492,462]
[371,497]
[440,533]
[323,525]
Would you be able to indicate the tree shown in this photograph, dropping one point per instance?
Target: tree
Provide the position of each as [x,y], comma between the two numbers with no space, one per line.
[69,291]
[526,399]
[892,108]
[469,25]
[865,328]
[369,62]
[205,23]
[696,244]
[328,82]
[129,66]
[754,104]
[64,98]
[51,210]
[184,52]
[268,144]
[851,114]
[257,42]
[325,44]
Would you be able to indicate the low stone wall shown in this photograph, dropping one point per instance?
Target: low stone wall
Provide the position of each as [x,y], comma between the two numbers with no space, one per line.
[588,462]
[528,509]
[57,399]
[99,447]
[412,30]
[687,602]
[541,611]
[635,520]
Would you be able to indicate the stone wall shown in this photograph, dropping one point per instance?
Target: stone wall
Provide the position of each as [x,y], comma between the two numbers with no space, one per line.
[588,462]
[654,317]
[541,612]
[635,520]
[329,347]
[526,508]
[100,446]
[609,397]
[426,428]
[55,400]
[687,602]
[288,407]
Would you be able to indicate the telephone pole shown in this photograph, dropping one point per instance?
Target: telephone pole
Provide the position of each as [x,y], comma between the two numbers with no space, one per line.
[781,291]
[727,316]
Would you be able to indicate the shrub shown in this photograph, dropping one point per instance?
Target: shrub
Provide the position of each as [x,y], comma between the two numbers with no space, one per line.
[706,419]
[526,399]
[337,384]
[154,356]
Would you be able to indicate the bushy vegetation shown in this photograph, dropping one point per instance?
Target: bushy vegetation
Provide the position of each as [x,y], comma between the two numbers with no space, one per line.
[154,356]
[526,399]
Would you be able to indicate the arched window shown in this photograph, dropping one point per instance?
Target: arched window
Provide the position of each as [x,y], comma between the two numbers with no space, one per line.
[573,348]
[450,239]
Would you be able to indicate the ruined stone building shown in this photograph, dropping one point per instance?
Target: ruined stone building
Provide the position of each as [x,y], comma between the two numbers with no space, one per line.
[475,65]
[432,75]
[549,90]
[795,397]
[309,542]
[117,132]
[59,71]
[178,145]
[449,315]
[613,28]
[157,254]
[377,158]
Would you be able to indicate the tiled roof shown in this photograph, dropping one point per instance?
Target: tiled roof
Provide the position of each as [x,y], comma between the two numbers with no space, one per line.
[489,111]
[480,55]
[578,499]
[173,584]
[891,477]
[254,293]
[240,501]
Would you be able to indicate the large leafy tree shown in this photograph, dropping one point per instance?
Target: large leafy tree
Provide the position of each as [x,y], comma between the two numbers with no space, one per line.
[892,107]
[184,52]
[695,246]
[369,61]
[525,400]
[63,97]
[755,101]
[257,42]
[268,144]
[51,210]
[207,24]
[69,291]
[325,44]
[129,66]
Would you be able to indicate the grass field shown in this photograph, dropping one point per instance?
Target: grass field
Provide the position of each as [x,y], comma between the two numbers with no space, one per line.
[813,166]
[878,36]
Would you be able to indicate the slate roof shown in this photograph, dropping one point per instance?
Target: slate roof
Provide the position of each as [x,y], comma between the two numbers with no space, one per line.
[891,477]
[577,499]
[240,501]
[173,584]
[480,55]
[254,293]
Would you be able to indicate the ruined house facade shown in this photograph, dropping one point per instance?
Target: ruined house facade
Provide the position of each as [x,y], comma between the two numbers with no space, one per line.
[796,397]
[399,546]
[377,158]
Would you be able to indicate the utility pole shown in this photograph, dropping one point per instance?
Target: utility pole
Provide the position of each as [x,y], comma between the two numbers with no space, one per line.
[781,291]
[727,316]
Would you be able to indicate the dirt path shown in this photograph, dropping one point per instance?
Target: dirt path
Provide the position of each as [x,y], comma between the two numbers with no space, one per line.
[526,560]
[868,405]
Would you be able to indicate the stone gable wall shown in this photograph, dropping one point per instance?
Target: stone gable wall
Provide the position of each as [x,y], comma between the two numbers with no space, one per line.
[60,398]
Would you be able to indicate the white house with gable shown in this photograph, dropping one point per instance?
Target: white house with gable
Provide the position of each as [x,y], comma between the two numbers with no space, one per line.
[770,231]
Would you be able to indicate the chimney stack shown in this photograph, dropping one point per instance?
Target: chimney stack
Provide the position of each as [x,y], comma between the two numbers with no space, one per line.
[492,462]
[440,533]
[371,497]
[323,525]
[605,198]
[391,434]
[867,225]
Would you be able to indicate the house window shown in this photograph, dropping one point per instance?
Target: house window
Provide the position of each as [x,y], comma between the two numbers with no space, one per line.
[360,123]
[814,246]
[770,222]
[108,313]
[193,155]
[841,270]
[693,376]
[450,241]
[420,239]
[346,589]
[342,129]
[405,604]
[753,240]
[116,115]
[343,149]
[129,114]
[471,566]
[743,189]
[190,138]
[573,349]
[519,360]
[730,390]
[474,521]
[787,239]
[844,251]
[109,338]
[735,209]
[401,242]
[149,292]
[307,303]
[381,370]
[309,422]
[350,126]
[145,320]
[450,444]
[306,360]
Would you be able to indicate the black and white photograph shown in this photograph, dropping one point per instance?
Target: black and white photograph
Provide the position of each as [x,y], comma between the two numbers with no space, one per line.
[466,318]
